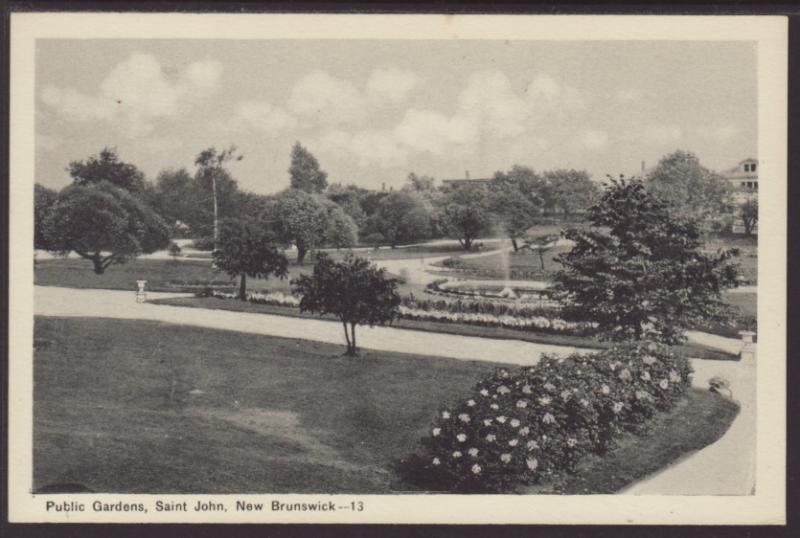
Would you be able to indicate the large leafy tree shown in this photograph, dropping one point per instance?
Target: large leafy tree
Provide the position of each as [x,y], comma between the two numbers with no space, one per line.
[639,271]
[517,199]
[107,166]
[691,189]
[571,191]
[104,224]
[300,219]
[304,172]
[748,212]
[43,200]
[354,290]
[402,218]
[247,249]
[465,212]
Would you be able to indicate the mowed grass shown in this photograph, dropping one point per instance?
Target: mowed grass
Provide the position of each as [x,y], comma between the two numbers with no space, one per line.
[522,265]
[114,410]
[143,407]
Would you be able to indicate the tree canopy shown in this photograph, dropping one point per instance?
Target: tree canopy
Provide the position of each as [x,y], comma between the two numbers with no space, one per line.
[104,224]
[571,191]
[107,166]
[465,212]
[354,290]
[247,249]
[305,173]
[402,218]
[43,200]
[517,198]
[640,271]
[691,189]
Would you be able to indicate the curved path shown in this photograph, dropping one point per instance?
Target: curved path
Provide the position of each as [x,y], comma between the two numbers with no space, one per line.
[726,467]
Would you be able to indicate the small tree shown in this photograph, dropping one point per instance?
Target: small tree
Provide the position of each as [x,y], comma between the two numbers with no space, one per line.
[174,250]
[748,212]
[354,290]
[541,245]
[465,212]
[304,172]
[639,271]
[103,224]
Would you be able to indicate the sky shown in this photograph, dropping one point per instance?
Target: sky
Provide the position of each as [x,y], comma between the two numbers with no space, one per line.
[372,111]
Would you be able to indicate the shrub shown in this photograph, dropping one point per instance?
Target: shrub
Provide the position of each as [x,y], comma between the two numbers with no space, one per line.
[537,422]
[204,243]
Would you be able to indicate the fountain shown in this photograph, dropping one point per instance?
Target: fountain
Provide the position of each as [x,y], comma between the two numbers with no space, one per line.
[505,265]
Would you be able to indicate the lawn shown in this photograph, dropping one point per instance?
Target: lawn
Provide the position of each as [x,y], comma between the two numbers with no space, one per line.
[143,407]
[522,265]
[463,329]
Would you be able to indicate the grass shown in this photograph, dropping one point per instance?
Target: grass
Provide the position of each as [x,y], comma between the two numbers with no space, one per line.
[117,409]
[461,329]
[522,265]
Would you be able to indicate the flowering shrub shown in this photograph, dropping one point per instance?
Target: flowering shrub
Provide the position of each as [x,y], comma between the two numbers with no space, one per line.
[275,298]
[537,422]
[482,306]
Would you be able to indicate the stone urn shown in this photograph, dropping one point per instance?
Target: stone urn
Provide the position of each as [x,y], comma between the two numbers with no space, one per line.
[748,351]
[141,296]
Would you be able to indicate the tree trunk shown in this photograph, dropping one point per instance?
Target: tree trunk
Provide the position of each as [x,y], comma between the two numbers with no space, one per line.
[541,259]
[243,287]
[347,339]
[99,266]
[467,243]
[216,209]
[353,339]
[514,244]
[301,254]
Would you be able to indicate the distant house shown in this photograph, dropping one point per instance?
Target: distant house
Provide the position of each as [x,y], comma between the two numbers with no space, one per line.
[743,178]
[465,181]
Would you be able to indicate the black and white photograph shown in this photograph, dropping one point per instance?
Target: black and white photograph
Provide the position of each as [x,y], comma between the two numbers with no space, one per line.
[268,275]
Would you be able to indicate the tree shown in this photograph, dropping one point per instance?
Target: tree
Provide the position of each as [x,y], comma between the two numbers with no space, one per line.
[516,199]
[748,212]
[541,245]
[402,218]
[341,231]
[174,250]
[354,290]
[106,166]
[571,190]
[298,218]
[247,249]
[104,224]
[465,212]
[43,200]
[304,172]
[639,271]
[349,199]
[210,169]
[416,183]
[691,189]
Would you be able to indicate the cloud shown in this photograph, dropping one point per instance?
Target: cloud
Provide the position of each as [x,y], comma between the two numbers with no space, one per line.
[546,94]
[489,101]
[326,99]
[592,139]
[390,85]
[136,93]
[264,117]
[663,134]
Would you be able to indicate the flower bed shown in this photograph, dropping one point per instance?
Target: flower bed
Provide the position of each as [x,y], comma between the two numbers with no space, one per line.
[533,424]
[522,319]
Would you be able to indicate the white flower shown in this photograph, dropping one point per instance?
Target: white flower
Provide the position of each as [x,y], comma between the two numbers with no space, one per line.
[476,469]
[526,389]
[514,423]
[605,390]
[565,394]
[463,417]
[532,445]
[649,359]
[642,395]
[445,415]
[436,431]
[571,442]
[491,437]
[495,406]
[457,454]
[522,404]
[584,402]
[524,431]
[664,384]
[501,419]
[461,437]
[503,373]
[674,376]
[484,392]
[471,403]
[487,422]
[513,442]
[532,463]
[473,452]
[548,419]
[549,386]
[545,400]
[505,458]
[625,375]
[436,461]
[646,375]
[617,407]
[502,389]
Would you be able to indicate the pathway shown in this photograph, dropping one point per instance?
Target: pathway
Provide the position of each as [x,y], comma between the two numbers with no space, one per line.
[722,468]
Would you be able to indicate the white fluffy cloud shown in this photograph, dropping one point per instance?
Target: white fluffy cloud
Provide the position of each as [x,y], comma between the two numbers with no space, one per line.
[390,85]
[663,134]
[326,99]
[592,139]
[136,92]
[264,117]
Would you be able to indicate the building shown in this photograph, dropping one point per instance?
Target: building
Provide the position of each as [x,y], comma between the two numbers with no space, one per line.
[465,181]
[743,178]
